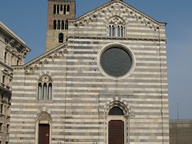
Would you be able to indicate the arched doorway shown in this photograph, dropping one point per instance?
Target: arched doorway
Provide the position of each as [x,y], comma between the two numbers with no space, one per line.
[116,126]
[43,128]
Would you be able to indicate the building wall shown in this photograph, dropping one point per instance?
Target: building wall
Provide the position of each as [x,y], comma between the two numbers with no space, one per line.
[180,132]
[12,52]
[83,94]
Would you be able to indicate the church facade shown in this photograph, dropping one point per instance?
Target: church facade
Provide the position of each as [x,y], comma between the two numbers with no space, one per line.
[102,80]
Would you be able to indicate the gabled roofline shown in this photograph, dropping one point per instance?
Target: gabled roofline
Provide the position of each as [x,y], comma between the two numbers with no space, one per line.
[110,2]
[146,15]
[43,55]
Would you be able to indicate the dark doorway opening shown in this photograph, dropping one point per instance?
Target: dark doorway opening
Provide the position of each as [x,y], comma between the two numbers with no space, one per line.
[116,132]
[43,134]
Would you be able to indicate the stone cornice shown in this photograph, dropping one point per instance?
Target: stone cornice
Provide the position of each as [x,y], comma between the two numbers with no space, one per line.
[12,35]
[122,38]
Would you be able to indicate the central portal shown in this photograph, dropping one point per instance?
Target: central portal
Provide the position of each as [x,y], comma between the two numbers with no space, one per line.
[116,132]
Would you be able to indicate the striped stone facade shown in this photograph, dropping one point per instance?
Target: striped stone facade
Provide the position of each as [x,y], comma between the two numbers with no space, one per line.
[83,94]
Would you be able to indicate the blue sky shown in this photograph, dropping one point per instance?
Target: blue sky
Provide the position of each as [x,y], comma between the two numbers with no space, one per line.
[28,20]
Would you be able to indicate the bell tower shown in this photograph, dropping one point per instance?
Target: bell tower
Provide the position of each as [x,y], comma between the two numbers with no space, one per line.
[59,12]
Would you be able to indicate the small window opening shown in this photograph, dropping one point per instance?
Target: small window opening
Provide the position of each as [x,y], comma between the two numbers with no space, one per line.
[54,24]
[39,91]
[122,33]
[118,31]
[110,31]
[5,57]
[45,91]
[54,9]
[58,25]
[62,27]
[7,128]
[57,9]
[1,127]
[1,108]
[3,80]
[17,62]
[61,7]
[66,24]
[68,8]
[113,31]
[64,11]
[61,38]
[50,91]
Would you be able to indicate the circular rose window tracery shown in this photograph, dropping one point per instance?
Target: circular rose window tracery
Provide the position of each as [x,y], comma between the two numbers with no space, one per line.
[116,61]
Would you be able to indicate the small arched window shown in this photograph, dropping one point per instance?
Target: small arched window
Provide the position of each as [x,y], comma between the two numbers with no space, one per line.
[57,9]
[119,31]
[62,26]
[54,24]
[50,91]
[66,24]
[61,36]
[68,8]
[58,25]
[64,11]
[61,7]
[45,91]
[39,91]
[45,88]
[113,31]
[122,31]
[109,30]
[54,9]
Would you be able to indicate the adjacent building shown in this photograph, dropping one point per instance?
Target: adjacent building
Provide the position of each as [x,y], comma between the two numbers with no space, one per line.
[12,52]
[102,80]
[180,131]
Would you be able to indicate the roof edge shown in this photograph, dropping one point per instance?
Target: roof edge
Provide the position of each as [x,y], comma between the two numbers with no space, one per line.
[44,54]
[14,35]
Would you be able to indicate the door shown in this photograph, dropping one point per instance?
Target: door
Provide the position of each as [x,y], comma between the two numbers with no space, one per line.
[116,132]
[43,134]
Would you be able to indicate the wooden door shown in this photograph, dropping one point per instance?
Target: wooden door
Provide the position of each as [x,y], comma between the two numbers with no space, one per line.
[116,132]
[43,134]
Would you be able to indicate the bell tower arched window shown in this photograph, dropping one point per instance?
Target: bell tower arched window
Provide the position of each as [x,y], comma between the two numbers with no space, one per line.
[45,88]
[54,24]
[66,24]
[54,9]
[62,25]
[58,25]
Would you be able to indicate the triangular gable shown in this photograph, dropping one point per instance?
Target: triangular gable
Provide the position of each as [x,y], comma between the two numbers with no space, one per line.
[130,10]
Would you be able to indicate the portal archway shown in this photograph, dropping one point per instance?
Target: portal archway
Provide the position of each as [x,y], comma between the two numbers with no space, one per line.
[43,128]
[116,126]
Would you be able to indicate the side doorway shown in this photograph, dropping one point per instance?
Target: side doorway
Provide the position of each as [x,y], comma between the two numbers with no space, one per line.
[44,133]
